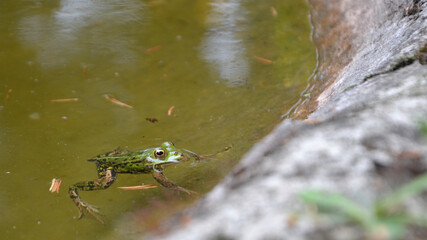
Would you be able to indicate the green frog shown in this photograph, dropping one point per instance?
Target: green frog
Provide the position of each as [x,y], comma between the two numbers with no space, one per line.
[149,161]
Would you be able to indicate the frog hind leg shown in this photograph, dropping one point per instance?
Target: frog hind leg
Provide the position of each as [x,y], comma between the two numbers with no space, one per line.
[165,182]
[106,178]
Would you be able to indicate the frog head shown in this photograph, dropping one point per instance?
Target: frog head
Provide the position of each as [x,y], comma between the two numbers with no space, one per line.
[166,154]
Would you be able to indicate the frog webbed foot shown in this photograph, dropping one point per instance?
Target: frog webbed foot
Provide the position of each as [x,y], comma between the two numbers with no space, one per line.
[84,206]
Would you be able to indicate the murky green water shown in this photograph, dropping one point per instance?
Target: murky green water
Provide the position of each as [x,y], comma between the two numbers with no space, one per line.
[206,58]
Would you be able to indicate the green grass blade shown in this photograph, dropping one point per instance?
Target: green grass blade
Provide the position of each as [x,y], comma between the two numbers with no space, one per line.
[415,187]
[395,227]
[338,202]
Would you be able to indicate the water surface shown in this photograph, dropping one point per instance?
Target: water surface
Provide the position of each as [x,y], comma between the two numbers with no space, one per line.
[229,68]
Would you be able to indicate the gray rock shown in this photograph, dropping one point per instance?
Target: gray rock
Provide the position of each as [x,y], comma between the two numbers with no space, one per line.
[362,141]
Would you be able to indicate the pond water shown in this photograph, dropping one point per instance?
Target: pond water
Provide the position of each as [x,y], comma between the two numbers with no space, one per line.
[230,68]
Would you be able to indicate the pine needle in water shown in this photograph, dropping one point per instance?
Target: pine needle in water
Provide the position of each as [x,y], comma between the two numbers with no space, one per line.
[115,101]
[153,49]
[64,100]
[263,60]
[148,186]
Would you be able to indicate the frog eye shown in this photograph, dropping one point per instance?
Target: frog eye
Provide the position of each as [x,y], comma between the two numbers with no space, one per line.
[159,153]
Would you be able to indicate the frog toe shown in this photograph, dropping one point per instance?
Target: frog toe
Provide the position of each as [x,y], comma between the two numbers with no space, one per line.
[92,210]
[189,192]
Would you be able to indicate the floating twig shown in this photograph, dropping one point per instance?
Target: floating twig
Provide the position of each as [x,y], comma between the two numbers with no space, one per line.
[153,49]
[148,186]
[9,92]
[273,11]
[170,110]
[64,100]
[115,101]
[263,60]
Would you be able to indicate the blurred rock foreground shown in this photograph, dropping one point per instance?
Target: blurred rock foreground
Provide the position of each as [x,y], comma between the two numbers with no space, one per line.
[361,136]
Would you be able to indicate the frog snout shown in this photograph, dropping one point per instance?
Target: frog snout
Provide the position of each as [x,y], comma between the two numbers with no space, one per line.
[180,155]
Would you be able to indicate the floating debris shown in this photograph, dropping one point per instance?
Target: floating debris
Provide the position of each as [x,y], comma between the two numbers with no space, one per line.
[56,184]
[263,60]
[153,49]
[273,11]
[9,92]
[148,186]
[34,116]
[170,110]
[115,101]
[64,117]
[153,120]
[64,100]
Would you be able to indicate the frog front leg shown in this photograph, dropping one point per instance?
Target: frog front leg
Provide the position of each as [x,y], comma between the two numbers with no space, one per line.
[165,182]
[106,177]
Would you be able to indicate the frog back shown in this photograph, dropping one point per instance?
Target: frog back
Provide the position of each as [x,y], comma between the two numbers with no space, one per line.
[123,161]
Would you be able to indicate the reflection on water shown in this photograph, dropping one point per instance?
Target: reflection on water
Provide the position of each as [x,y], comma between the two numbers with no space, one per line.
[79,26]
[222,46]
[197,56]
